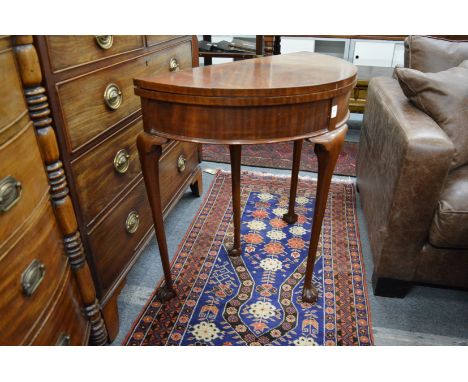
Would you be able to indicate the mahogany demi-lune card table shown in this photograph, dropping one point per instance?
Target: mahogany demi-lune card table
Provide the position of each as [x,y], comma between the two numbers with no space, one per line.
[288,97]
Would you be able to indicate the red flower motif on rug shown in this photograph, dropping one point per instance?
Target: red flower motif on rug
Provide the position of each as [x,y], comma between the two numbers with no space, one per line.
[253,238]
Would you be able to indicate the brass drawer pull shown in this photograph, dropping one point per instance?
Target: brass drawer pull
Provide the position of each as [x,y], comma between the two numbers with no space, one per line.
[181,161]
[10,193]
[132,222]
[174,65]
[104,42]
[121,161]
[113,96]
[32,277]
[64,340]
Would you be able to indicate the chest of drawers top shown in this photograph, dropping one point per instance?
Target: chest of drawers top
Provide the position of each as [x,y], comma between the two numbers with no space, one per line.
[69,52]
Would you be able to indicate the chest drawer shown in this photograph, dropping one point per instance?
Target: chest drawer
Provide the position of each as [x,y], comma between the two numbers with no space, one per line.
[30,274]
[104,172]
[175,165]
[158,39]
[12,105]
[70,51]
[120,234]
[97,101]
[23,183]
[65,323]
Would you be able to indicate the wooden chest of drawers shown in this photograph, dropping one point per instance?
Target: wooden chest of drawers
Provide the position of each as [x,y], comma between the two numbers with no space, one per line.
[41,300]
[97,117]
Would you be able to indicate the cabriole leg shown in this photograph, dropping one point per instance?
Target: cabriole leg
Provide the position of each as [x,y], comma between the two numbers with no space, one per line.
[235,151]
[327,148]
[291,217]
[150,150]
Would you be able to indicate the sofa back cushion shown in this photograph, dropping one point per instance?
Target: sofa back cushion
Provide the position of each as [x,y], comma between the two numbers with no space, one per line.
[430,54]
[444,97]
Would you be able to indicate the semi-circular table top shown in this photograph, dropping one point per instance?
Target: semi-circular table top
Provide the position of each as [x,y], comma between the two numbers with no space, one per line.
[261,100]
[295,74]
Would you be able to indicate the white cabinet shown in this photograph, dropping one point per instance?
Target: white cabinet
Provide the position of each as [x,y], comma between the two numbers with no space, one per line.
[398,55]
[377,53]
[297,44]
[372,53]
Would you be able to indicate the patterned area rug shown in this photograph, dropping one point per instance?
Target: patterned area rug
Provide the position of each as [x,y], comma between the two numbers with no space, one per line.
[255,299]
[279,155]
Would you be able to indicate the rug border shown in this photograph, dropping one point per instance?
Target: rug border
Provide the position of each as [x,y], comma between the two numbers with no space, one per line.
[364,271]
[208,192]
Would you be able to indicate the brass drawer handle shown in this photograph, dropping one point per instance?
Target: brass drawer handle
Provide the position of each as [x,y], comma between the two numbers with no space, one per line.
[32,277]
[104,42]
[132,222]
[10,193]
[113,96]
[64,340]
[181,161]
[174,65]
[121,161]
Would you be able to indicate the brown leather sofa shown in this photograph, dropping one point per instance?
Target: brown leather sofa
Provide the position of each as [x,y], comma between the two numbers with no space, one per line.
[415,202]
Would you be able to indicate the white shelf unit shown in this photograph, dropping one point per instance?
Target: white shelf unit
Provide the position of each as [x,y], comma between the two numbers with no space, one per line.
[337,47]
[372,57]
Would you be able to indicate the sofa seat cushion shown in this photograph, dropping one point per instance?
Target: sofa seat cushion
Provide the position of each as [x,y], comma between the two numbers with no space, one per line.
[444,97]
[450,225]
[430,54]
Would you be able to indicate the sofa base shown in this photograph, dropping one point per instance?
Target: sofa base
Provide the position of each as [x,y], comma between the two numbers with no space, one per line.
[386,287]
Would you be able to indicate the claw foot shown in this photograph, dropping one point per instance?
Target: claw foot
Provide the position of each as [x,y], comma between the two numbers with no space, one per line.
[165,294]
[309,295]
[290,218]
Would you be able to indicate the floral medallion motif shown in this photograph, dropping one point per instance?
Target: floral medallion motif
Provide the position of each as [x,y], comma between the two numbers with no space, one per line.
[205,331]
[271,264]
[276,235]
[262,309]
[305,341]
[280,211]
[297,230]
[256,225]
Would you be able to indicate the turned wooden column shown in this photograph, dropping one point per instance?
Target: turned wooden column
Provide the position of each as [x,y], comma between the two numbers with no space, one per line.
[268,45]
[37,102]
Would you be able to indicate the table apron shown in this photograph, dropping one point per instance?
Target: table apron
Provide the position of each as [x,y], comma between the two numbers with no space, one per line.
[243,125]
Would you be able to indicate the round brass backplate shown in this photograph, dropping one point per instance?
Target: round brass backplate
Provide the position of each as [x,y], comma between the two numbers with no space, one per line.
[113,96]
[104,42]
[181,163]
[121,161]
[174,65]
[132,222]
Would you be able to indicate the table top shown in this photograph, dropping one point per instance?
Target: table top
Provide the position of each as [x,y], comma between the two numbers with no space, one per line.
[262,100]
[273,76]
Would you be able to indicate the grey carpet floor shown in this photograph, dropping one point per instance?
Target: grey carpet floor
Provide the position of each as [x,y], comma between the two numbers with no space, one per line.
[426,316]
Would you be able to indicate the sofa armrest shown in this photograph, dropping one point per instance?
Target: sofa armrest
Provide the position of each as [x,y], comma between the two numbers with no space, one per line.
[404,158]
